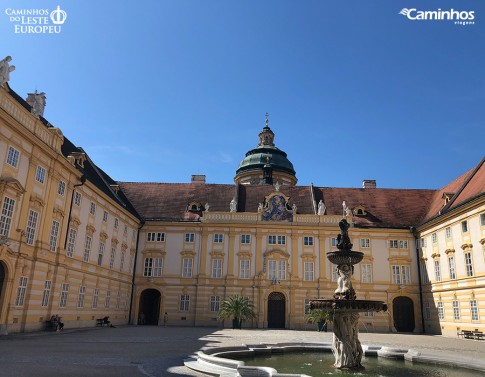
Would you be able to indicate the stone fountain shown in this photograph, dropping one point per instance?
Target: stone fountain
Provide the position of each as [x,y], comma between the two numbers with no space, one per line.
[345,306]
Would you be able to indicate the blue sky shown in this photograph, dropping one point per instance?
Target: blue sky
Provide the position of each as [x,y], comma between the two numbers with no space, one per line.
[159,90]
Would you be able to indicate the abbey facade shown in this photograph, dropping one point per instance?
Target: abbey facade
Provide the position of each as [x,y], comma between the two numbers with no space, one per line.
[78,244]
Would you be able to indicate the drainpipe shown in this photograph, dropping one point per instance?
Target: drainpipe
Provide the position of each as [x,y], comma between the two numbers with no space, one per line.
[134,271]
[415,234]
[83,181]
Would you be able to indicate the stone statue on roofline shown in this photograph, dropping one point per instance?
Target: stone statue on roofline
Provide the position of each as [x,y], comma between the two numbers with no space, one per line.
[5,69]
[321,208]
[233,205]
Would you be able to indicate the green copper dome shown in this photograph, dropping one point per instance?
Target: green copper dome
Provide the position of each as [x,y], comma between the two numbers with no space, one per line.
[266,157]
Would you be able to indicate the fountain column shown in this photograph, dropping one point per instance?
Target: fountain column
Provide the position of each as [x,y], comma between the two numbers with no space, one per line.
[346,346]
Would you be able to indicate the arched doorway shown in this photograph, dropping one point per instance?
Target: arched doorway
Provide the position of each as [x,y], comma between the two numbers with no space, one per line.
[149,310]
[276,310]
[403,314]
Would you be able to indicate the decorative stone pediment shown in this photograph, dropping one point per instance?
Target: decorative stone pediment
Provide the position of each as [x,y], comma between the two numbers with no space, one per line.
[75,222]
[124,246]
[482,241]
[449,251]
[90,230]
[466,246]
[103,236]
[187,253]
[217,254]
[58,212]
[435,255]
[36,201]
[12,184]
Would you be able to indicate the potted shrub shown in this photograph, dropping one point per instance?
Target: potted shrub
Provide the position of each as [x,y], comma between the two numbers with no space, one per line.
[238,308]
[320,317]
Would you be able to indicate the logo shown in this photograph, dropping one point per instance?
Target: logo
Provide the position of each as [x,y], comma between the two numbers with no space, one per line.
[36,21]
[58,16]
[456,16]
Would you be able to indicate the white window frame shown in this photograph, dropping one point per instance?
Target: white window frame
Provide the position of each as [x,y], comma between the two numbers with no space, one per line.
[271,240]
[308,271]
[54,235]
[92,208]
[122,260]
[21,290]
[47,292]
[474,310]
[105,216]
[187,266]
[366,271]
[464,226]
[393,244]
[456,310]
[441,310]
[40,174]
[434,238]
[64,294]
[427,311]
[61,188]
[88,243]
[189,237]
[215,302]
[281,240]
[184,303]
[101,253]
[77,198]
[118,299]
[31,227]
[6,217]
[216,268]
[71,241]
[365,243]
[107,299]
[95,298]
[244,268]
[448,232]
[468,263]
[148,267]
[80,297]
[245,239]
[308,241]
[437,270]
[218,238]
[13,157]
[112,256]
[452,267]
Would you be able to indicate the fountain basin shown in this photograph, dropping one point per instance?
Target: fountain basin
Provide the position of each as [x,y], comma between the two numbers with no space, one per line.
[345,257]
[349,305]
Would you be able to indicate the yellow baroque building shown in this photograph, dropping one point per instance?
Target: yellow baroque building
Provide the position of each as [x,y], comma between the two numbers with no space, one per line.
[78,244]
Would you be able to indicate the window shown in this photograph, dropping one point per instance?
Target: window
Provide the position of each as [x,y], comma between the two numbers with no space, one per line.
[482,219]
[19,301]
[400,275]
[157,267]
[451,263]
[423,242]
[245,238]
[448,232]
[244,268]
[6,217]
[434,238]
[365,243]
[158,237]
[13,157]
[125,230]
[308,271]
[393,244]
[112,258]
[441,310]
[333,242]
[70,242]
[308,241]
[277,269]
[47,292]
[464,226]
[118,299]
[122,261]
[54,234]
[107,299]
[437,270]
[215,302]
[61,188]
[306,306]
[474,310]
[366,273]
[100,253]
[77,198]
[187,267]
[95,298]
[148,270]
[189,237]
[280,240]
[31,227]
[131,263]
[456,310]
[218,238]
[403,244]
[117,223]
[92,209]
[40,174]
[87,248]
[105,216]
[64,292]
[80,297]
[427,311]
[468,264]
[424,273]
[217,268]
[184,303]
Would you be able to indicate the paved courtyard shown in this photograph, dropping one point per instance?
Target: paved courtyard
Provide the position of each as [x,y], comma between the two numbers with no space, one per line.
[157,351]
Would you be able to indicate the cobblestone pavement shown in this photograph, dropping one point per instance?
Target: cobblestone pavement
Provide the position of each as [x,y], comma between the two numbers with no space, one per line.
[133,351]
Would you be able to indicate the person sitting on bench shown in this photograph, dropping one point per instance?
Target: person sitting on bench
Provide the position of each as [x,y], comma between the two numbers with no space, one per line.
[107,322]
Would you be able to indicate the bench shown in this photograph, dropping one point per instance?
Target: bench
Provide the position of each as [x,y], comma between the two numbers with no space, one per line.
[468,334]
[51,325]
[479,335]
[100,322]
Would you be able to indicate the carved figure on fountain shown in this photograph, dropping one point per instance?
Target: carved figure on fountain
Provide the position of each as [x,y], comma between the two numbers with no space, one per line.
[344,290]
[343,238]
